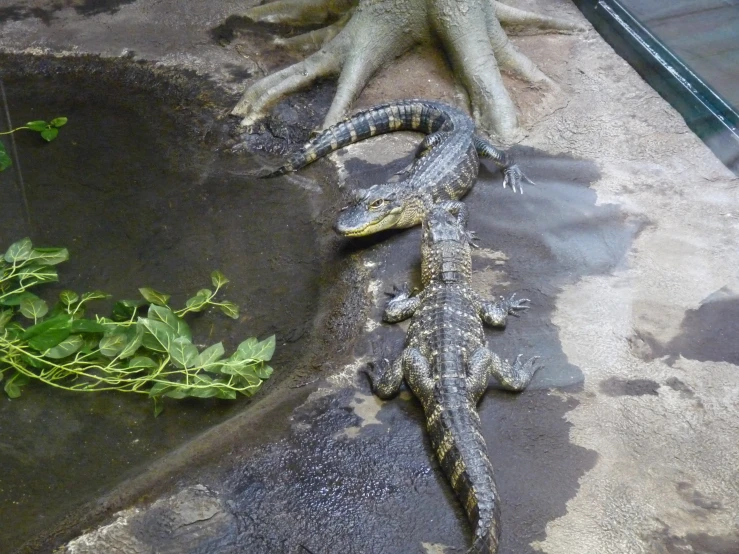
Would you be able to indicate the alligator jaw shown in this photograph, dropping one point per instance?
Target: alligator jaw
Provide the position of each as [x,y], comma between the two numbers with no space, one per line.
[347,226]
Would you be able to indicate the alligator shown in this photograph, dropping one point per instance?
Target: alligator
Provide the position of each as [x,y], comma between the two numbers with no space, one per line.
[447,365]
[445,166]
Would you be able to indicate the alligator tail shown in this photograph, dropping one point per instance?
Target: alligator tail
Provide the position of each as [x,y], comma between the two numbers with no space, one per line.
[460,448]
[407,115]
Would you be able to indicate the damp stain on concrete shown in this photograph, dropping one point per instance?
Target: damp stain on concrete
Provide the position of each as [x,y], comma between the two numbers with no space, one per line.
[666,541]
[707,333]
[616,386]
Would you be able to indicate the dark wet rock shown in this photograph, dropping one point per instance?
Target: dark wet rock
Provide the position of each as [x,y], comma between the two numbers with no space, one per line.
[629,387]
[138,190]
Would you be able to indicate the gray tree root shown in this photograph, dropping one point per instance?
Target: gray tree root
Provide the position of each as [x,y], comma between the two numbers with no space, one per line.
[373,32]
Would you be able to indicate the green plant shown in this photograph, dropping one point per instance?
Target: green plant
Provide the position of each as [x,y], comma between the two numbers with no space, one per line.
[48,132]
[128,352]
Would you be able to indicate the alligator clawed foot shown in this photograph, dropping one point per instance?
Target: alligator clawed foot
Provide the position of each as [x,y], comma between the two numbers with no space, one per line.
[526,370]
[515,305]
[400,292]
[375,370]
[473,239]
[513,177]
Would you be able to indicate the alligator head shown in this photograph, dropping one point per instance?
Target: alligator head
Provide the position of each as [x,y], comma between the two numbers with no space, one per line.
[373,210]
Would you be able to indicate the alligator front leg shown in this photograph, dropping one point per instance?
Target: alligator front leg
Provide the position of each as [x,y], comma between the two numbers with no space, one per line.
[496,312]
[401,306]
[512,175]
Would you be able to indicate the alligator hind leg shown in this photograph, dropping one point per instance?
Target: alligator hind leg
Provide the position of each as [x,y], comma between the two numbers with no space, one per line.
[483,363]
[385,378]
[417,372]
[496,312]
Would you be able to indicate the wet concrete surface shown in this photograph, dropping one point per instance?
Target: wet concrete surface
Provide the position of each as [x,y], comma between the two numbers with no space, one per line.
[617,446]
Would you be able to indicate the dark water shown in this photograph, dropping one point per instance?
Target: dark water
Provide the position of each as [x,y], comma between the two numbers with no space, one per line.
[136,189]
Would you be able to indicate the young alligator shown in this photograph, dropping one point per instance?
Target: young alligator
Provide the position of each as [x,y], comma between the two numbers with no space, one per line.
[445,167]
[447,364]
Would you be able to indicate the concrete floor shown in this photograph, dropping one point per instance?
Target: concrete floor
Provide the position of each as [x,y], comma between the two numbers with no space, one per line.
[626,442]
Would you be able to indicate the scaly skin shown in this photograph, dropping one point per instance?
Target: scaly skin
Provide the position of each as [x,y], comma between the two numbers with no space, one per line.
[445,167]
[369,34]
[447,365]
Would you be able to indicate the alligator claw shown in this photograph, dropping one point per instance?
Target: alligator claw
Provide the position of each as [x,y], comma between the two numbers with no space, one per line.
[527,368]
[402,291]
[472,238]
[513,177]
[513,304]
[375,370]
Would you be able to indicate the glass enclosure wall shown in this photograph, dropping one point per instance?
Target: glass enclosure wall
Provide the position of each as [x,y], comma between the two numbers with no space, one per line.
[688,50]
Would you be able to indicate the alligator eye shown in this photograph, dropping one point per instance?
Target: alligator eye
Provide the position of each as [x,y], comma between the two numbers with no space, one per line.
[376,203]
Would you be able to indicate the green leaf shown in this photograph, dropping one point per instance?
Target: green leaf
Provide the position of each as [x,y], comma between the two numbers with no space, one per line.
[183,352]
[208,392]
[264,372]
[159,337]
[230,309]
[37,273]
[5,161]
[110,345]
[68,346]
[61,321]
[153,296]
[58,122]
[48,339]
[49,256]
[94,295]
[134,337]
[86,326]
[158,406]
[16,298]
[123,310]
[218,279]
[159,388]
[37,125]
[141,362]
[171,320]
[177,392]
[253,350]
[5,316]
[19,251]
[68,297]
[209,356]
[11,389]
[49,134]
[197,302]
[226,394]
[34,308]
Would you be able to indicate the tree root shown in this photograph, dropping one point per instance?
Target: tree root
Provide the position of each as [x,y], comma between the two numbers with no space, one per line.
[371,33]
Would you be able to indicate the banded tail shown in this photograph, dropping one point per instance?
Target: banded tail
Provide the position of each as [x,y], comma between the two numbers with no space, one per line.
[463,456]
[405,115]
